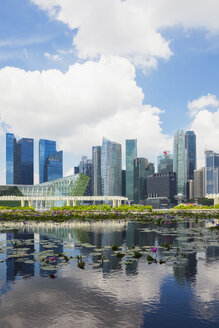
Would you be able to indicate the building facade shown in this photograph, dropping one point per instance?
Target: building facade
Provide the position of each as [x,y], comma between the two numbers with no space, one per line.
[131,154]
[50,161]
[211,172]
[165,162]
[19,160]
[190,145]
[140,174]
[162,185]
[86,168]
[111,168]
[96,159]
[199,183]
[179,161]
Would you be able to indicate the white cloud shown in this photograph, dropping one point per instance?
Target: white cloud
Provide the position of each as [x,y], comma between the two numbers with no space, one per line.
[79,107]
[52,57]
[205,124]
[131,28]
[202,103]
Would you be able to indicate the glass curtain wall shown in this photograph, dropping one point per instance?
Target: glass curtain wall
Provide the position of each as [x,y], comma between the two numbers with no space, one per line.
[131,154]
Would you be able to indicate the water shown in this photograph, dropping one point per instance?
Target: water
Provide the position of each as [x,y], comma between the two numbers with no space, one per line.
[42,286]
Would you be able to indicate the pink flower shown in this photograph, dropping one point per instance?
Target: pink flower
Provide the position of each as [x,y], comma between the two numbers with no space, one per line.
[52,258]
[154,249]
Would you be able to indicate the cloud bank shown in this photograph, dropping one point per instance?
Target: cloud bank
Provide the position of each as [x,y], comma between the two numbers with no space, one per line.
[79,107]
[131,28]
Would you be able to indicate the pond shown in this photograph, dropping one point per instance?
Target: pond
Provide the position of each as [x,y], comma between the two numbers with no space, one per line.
[109,274]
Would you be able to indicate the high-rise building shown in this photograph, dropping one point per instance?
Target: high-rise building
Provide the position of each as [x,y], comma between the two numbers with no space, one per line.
[50,161]
[165,162]
[151,169]
[211,172]
[96,159]
[131,154]
[199,183]
[124,183]
[54,166]
[86,168]
[140,175]
[111,168]
[190,145]
[19,160]
[179,161]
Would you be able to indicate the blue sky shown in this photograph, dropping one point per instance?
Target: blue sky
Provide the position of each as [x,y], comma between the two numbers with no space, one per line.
[38,36]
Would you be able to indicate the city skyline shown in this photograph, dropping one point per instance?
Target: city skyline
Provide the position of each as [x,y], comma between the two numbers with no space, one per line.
[146,82]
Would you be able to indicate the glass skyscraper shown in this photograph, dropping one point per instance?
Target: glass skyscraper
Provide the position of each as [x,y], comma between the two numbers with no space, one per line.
[96,159]
[86,167]
[165,163]
[19,160]
[141,171]
[111,168]
[211,172]
[190,145]
[50,161]
[131,154]
[179,161]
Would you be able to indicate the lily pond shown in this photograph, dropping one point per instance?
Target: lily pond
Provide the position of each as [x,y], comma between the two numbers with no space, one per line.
[109,274]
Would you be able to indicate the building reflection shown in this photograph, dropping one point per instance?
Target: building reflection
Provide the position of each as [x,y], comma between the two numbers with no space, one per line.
[16,266]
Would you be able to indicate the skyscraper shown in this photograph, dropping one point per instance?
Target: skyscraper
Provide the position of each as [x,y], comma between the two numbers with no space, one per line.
[140,175]
[165,162]
[179,161]
[190,145]
[50,161]
[199,183]
[86,168]
[111,168]
[211,172]
[131,154]
[19,160]
[96,159]
[53,166]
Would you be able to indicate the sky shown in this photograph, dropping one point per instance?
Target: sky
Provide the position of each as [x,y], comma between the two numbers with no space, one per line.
[77,70]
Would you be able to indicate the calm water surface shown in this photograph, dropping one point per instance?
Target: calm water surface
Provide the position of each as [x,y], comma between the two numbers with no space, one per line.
[42,286]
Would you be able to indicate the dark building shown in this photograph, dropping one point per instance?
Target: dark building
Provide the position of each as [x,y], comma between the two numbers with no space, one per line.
[76,169]
[50,161]
[140,174]
[162,185]
[124,183]
[96,160]
[190,146]
[19,160]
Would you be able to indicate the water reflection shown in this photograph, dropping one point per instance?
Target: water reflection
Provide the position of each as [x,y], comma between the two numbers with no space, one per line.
[112,294]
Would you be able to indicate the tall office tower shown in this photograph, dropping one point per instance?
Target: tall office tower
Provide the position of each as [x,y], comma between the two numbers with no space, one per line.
[54,166]
[86,167]
[111,168]
[150,169]
[140,174]
[19,160]
[131,154]
[76,169]
[199,183]
[190,145]
[96,159]
[50,161]
[179,161]
[124,183]
[165,162]
[211,172]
